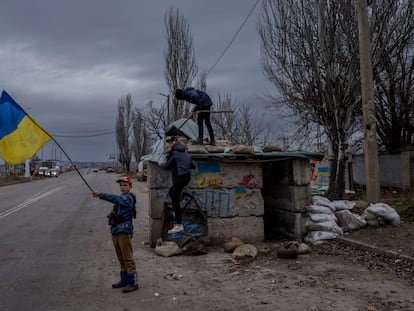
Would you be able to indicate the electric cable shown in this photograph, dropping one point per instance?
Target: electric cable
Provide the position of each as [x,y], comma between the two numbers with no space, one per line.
[83,136]
[234,37]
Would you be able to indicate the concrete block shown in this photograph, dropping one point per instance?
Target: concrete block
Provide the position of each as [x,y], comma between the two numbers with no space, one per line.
[290,172]
[242,175]
[155,230]
[288,198]
[157,176]
[226,175]
[284,223]
[157,197]
[215,202]
[249,229]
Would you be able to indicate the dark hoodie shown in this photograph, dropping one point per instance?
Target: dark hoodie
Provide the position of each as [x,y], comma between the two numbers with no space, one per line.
[179,161]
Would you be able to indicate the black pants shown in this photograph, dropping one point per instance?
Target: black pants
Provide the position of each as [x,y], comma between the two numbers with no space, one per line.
[204,117]
[175,194]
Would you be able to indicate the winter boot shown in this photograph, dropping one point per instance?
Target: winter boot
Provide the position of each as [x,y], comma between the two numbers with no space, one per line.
[132,283]
[123,282]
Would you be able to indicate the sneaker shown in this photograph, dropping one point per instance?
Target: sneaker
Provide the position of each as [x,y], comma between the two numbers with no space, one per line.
[176,229]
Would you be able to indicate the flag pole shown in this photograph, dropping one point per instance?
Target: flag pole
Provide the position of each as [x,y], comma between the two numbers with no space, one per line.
[73,164]
[60,147]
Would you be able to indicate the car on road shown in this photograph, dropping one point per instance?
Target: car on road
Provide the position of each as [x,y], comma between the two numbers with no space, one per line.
[95,170]
[52,172]
[42,170]
[109,170]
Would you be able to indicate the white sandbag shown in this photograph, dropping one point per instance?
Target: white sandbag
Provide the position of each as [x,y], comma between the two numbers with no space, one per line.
[196,149]
[385,211]
[322,217]
[343,204]
[242,149]
[319,200]
[245,251]
[330,226]
[318,209]
[350,221]
[319,237]
[167,248]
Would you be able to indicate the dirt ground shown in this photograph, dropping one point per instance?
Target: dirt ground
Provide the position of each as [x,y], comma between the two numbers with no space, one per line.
[334,276]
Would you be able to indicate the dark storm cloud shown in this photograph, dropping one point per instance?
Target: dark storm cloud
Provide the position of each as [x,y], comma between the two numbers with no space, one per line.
[69,62]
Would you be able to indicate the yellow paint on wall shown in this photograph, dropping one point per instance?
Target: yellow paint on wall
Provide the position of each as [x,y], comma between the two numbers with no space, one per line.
[209,179]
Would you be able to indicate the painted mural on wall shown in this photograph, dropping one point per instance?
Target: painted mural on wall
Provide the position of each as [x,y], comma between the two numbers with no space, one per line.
[221,190]
[319,172]
[209,174]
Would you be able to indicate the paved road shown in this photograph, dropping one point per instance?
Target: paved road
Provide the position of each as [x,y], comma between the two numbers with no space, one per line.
[54,241]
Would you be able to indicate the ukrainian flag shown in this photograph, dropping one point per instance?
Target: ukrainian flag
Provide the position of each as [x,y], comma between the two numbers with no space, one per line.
[20,136]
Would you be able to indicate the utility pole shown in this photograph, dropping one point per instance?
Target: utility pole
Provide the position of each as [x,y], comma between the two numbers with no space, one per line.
[168,106]
[373,191]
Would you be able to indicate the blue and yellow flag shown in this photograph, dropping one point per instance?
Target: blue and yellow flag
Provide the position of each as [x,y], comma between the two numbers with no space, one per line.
[20,136]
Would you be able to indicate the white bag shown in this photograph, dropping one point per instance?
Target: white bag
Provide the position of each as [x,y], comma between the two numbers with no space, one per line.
[330,226]
[318,209]
[343,204]
[322,217]
[319,237]
[350,221]
[318,200]
[385,211]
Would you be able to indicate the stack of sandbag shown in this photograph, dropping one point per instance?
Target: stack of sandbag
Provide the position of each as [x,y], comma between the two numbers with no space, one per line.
[321,222]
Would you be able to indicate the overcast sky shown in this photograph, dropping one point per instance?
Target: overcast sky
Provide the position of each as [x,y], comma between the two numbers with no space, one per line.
[67,62]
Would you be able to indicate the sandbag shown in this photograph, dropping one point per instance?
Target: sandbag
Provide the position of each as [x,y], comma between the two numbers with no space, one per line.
[319,237]
[214,149]
[167,248]
[319,200]
[242,149]
[271,148]
[196,149]
[350,221]
[231,244]
[343,204]
[385,211]
[245,251]
[322,217]
[330,226]
[318,209]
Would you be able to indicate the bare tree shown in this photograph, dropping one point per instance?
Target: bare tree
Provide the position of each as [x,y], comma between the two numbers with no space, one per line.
[309,54]
[124,123]
[181,67]
[251,126]
[155,120]
[224,124]
[140,136]
[392,24]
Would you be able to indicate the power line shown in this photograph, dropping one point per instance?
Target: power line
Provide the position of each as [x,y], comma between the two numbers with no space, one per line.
[234,37]
[83,136]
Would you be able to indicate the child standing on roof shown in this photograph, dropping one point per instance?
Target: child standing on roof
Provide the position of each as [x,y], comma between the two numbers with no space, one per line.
[120,220]
[202,107]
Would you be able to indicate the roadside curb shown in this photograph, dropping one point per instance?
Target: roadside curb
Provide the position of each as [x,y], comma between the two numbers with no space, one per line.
[378,250]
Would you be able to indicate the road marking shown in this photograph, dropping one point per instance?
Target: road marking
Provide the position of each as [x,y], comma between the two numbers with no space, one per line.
[28,202]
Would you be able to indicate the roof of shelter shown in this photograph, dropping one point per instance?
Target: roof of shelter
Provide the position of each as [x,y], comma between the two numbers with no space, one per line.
[188,128]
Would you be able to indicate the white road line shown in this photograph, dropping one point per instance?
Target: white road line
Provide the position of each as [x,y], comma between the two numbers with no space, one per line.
[28,202]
